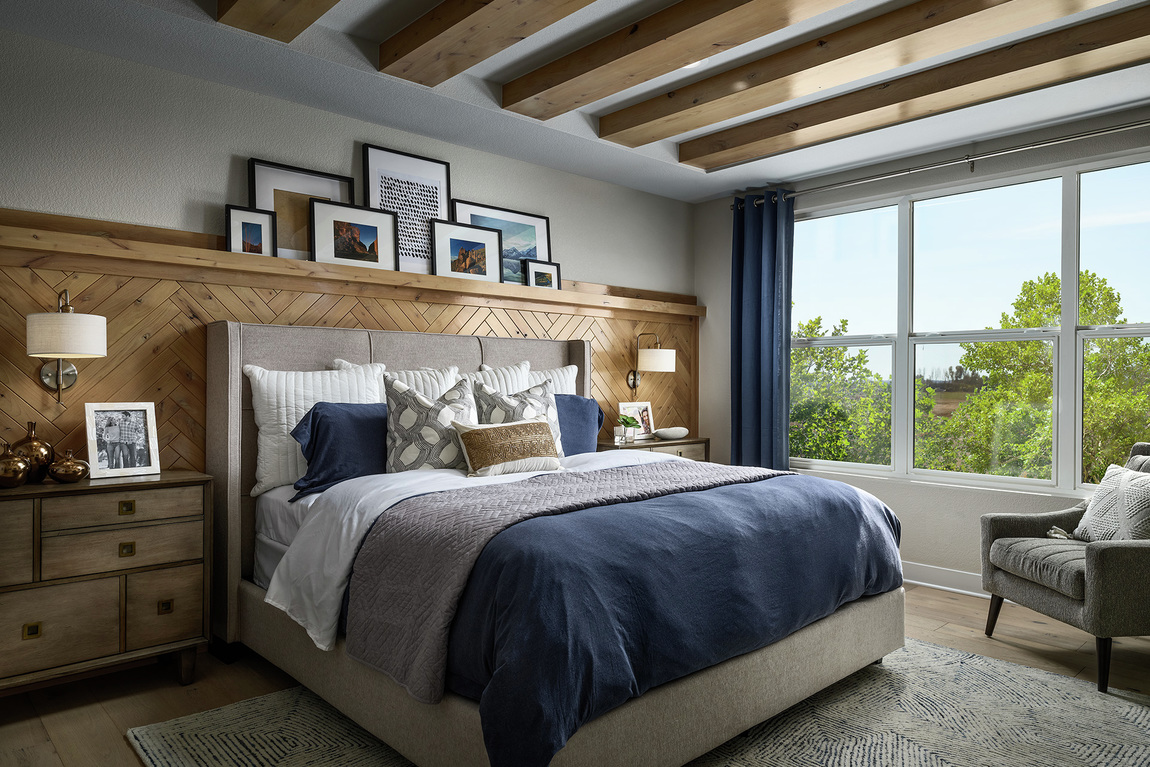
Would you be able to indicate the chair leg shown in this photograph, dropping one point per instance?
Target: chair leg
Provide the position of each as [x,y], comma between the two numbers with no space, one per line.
[1102,646]
[992,616]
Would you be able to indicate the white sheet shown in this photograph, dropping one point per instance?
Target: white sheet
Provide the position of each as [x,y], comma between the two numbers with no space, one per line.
[311,578]
[277,518]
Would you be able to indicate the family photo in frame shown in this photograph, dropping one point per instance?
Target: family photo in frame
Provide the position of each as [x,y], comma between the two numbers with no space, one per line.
[122,438]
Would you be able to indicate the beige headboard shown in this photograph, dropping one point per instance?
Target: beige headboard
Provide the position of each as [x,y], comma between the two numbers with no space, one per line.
[231,430]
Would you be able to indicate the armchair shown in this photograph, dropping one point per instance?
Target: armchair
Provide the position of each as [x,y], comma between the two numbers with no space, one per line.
[1101,587]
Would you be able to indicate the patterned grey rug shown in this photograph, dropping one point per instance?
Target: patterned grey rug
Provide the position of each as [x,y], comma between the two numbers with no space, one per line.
[925,705]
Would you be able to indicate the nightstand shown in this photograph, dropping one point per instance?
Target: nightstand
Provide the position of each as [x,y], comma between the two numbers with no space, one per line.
[103,571]
[695,448]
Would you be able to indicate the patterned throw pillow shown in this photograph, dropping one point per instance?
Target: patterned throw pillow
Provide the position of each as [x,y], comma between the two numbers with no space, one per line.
[419,432]
[527,405]
[507,448]
[1119,510]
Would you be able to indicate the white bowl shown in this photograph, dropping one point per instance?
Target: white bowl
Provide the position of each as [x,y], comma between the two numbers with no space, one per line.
[671,432]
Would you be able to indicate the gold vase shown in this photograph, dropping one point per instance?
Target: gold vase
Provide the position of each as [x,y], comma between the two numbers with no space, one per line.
[13,468]
[68,469]
[37,452]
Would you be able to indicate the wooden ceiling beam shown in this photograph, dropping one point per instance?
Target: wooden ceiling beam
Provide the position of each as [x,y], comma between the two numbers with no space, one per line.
[689,31]
[904,36]
[1104,45]
[281,20]
[458,34]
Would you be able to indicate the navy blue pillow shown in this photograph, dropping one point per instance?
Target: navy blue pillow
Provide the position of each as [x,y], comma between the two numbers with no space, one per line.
[580,420]
[340,441]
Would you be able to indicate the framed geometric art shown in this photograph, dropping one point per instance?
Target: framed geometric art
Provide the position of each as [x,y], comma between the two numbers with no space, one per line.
[288,190]
[351,235]
[417,189]
[525,235]
[250,230]
[122,438]
[469,252]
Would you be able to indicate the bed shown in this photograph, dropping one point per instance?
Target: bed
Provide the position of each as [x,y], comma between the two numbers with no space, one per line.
[667,725]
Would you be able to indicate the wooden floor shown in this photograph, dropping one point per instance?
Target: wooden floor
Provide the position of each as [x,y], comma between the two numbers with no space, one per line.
[83,723]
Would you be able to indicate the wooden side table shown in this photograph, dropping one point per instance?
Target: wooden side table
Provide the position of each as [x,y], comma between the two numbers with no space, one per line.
[695,448]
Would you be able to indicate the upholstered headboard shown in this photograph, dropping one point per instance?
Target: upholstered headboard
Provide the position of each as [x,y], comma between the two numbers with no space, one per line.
[231,430]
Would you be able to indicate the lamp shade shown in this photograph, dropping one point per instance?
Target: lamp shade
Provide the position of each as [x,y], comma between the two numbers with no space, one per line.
[656,361]
[67,335]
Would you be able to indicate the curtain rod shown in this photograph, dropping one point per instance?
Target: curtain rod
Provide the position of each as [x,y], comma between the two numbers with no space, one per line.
[969,159]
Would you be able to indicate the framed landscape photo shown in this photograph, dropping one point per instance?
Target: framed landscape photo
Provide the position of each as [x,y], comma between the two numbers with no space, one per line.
[250,230]
[542,274]
[640,411]
[417,189]
[462,250]
[122,438]
[287,191]
[525,235]
[351,235]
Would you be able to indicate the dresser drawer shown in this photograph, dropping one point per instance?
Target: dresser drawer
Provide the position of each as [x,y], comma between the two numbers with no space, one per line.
[62,556]
[119,507]
[15,542]
[697,452]
[165,606]
[63,624]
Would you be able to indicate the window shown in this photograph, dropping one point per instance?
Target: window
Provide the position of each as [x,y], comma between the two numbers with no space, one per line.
[998,369]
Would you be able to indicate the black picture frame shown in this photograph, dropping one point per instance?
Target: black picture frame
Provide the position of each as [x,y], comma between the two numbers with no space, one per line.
[292,207]
[446,237]
[417,188]
[237,217]
[384,224]
[549,268]
[525,235]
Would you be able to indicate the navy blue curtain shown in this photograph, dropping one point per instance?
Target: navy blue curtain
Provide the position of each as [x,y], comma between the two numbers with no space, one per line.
[762,245]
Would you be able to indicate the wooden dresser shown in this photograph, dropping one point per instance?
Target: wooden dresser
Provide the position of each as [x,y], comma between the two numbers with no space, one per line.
[695,448]
[101,572]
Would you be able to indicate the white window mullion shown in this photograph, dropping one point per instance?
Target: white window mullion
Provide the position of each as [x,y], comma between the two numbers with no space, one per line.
[902,380]
[1067,386]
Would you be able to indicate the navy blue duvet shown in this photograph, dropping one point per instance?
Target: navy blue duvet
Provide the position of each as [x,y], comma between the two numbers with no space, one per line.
[566,617]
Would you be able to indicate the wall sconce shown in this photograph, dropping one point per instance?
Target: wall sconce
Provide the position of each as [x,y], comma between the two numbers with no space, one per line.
[63,334]
[656,360]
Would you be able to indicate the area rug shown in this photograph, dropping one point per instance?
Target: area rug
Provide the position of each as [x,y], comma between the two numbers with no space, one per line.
[924,706]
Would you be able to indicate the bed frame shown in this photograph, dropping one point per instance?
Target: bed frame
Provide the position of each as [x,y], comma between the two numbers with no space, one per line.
[666,727]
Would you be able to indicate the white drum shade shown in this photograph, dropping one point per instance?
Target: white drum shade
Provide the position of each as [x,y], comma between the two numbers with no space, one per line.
[656,361]
[67,335]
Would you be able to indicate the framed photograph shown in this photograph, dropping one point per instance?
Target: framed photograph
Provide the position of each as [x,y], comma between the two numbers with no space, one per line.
[287,191]
[640,411]
[351,235]
[417,189]
[462,250]
[250,230]
[525,235]
[122,438]
[542,274]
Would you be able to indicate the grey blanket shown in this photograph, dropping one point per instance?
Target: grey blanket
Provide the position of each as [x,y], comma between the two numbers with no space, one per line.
[413,565]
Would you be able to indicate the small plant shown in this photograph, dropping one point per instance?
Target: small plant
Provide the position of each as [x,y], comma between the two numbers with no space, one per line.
[629,422]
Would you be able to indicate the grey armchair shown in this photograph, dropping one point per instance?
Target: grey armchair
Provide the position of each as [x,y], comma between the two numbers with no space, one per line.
[1101,587]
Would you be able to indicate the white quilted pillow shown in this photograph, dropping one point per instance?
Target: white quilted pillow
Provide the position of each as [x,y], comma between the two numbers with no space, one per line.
[280,398]
[562,379]
[429,382]
[509,379]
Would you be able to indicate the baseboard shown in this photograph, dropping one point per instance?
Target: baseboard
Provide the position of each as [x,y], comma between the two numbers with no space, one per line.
[944,578]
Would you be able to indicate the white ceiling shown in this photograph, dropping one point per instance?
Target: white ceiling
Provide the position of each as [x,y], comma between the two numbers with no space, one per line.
[332,66]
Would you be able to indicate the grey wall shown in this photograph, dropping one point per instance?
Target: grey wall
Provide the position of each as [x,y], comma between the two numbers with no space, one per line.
[89,135]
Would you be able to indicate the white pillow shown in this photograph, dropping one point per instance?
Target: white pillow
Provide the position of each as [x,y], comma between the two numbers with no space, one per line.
[509,379]
[1120,508]
[507,448]
[280,398]
[429,382]
[562,379]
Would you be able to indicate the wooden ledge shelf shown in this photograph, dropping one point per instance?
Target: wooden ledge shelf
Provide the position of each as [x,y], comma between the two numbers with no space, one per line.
[38,247]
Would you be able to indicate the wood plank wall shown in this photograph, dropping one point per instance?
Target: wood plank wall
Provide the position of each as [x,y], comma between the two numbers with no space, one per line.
[157,311]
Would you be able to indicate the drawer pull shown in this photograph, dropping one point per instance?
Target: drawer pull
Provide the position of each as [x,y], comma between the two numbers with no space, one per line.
[32,631]
[165,607]
[127,507]
[128,549]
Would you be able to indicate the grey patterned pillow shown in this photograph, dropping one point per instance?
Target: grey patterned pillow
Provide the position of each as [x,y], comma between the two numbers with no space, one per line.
[419,431]
[1119,510]
[496,407]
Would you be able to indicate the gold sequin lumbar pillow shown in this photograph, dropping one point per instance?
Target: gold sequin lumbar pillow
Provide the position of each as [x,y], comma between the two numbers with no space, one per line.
[507,448]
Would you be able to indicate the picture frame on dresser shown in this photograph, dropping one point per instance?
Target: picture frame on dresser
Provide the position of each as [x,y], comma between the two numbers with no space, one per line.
[525,235]
[640,411]
[418,189]
[122,439]
[353,236]
[288,190]
[250,230]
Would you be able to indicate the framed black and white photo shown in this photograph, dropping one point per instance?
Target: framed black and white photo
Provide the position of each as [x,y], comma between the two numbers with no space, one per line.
[122,438]
[417,189]
[250,230]
[462,250]
[287,191]
[349,234]
[641,412]
[525,235]
[542,274]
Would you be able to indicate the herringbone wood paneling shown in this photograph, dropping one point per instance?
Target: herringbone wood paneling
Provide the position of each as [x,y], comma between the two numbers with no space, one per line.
[156,347]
